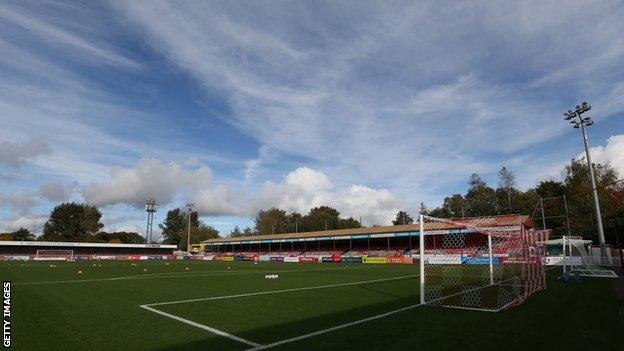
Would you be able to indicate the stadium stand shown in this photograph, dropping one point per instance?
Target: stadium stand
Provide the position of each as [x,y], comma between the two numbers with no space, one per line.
[28,250]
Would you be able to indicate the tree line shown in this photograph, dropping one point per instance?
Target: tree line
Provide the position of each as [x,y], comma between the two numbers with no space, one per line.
[79,222]
[82,222]
[483,200]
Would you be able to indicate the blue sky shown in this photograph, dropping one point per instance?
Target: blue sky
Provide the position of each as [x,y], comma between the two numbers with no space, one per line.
[369,107]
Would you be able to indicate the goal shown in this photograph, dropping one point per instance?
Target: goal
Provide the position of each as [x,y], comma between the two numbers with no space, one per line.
[485,263]
[55,255]
[577,260]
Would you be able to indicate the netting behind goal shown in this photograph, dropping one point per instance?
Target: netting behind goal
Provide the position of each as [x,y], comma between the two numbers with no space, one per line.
[54,255]
[480,263]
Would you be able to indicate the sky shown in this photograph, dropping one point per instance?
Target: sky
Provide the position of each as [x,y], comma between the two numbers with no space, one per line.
[367,106]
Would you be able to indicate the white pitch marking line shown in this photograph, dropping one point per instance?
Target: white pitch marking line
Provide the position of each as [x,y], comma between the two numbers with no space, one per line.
[195,274]
[323,331]
[201,326]
[236,272]
[279,291]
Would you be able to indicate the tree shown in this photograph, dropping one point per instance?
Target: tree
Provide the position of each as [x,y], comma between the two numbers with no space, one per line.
[72,222]
[577,184]
[452,207]
[480,199]
[198,234]
[236,232]
[248,232]
[550,188]
[21,234]
[321,218]
[402,218]
[507,182]
[119,237]
[423,209]
[271,221]
[349,223]
[294,222]
[475,181]
[173,224]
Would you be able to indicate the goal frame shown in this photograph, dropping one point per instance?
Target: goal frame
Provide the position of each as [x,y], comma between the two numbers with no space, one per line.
[587,268]
[525,264]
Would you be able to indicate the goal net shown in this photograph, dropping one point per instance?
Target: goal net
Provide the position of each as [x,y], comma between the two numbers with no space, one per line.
[55,255]
[577,260]
[487,264]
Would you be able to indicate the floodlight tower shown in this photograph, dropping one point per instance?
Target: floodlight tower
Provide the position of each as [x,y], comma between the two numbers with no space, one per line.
[189,206]
[578,121]
[150,208]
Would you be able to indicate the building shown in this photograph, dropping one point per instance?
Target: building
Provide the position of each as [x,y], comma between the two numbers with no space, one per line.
[26,250]
[386,241]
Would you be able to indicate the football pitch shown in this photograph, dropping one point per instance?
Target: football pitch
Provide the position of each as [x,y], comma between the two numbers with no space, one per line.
[213,305]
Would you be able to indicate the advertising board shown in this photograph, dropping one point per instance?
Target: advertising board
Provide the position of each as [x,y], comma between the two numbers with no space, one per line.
[375,260]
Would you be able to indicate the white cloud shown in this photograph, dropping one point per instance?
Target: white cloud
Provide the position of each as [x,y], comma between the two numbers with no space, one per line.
[342,93]
[91,48]
[305,188]
[612,153]
[300,190]
[20,203]
[33,223]
[150,178]
[18,153]
[54,191]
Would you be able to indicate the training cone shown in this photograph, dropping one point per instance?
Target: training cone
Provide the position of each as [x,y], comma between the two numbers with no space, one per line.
[79,272]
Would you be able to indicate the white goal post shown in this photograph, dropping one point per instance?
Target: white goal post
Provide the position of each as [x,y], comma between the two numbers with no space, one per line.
[54,255]
[577,260]
[484,264]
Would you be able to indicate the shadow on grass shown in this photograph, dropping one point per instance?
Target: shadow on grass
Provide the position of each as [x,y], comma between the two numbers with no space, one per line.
[571,317]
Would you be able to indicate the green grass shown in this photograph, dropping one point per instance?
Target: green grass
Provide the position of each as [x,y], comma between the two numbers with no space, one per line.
[91,311]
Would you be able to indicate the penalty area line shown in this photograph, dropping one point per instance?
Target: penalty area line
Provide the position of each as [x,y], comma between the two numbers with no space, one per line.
[201,326]
[280,291]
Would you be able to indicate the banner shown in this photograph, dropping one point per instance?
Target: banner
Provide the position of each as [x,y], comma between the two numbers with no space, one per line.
[351,259]
[375,260]
[443,259]
[308,259]
[225,258]
[264,258]
[478,260]
[291,259]
[326,259]
[277,259]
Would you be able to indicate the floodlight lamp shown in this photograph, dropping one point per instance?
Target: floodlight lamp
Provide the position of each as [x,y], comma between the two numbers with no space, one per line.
[586,119]
[576,126]
[589,123]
